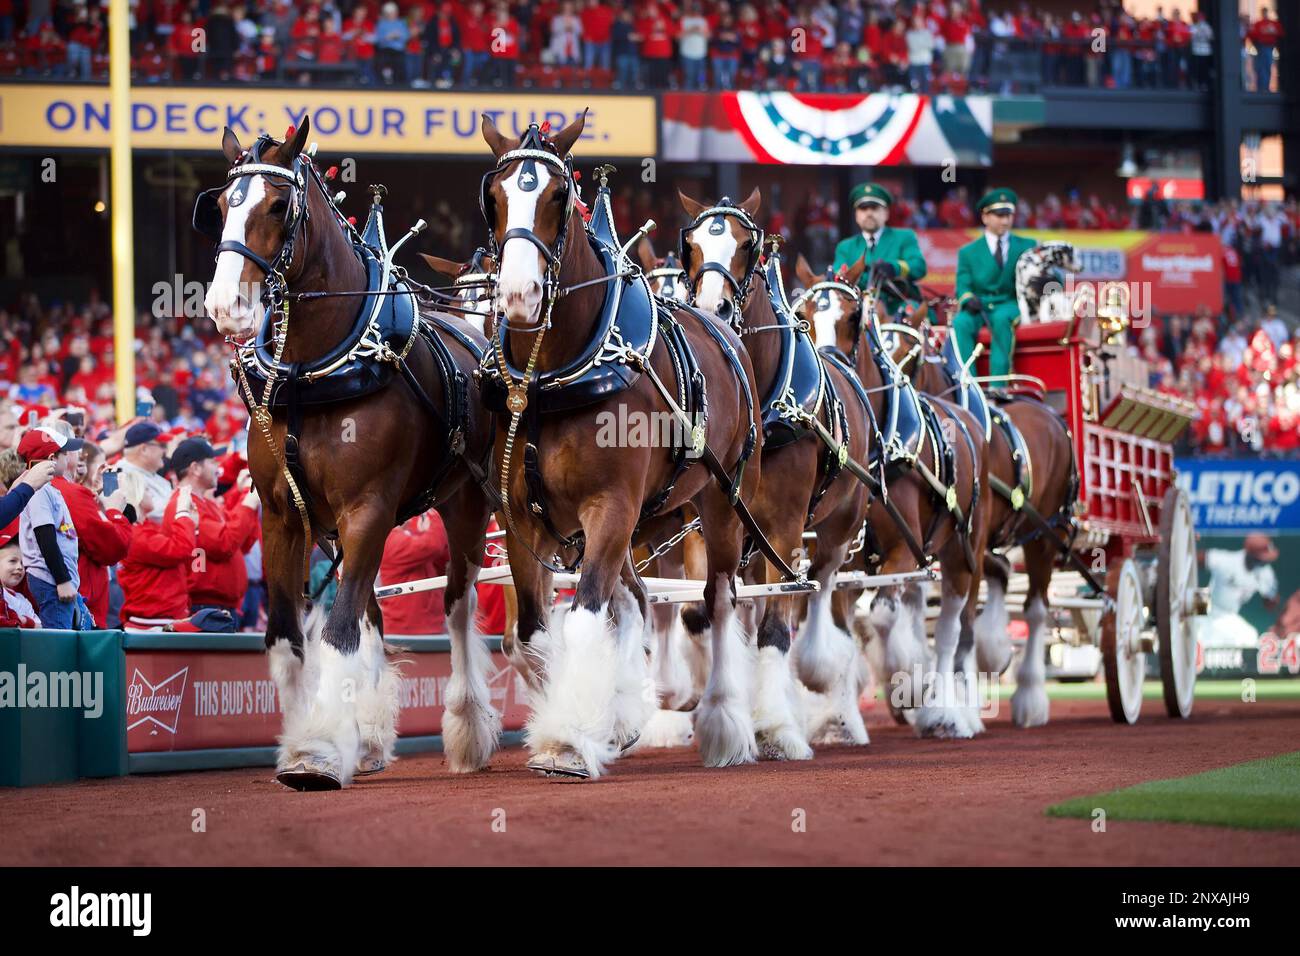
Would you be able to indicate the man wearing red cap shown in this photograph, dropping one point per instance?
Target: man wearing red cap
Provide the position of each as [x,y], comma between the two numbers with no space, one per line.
[48,538]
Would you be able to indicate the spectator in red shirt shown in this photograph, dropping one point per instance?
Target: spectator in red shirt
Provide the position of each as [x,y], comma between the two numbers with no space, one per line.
[474,42]
[656,31]
[182,47]
[956,31]
[217,578]
[413,551]
[359,36]
[329,45]
[1265,34]
[954,211]
[597,24]
[893,53]
[750,30]
[415,48]
[1178,39]
[503,46]
[154,573]
[83,41]
[1232,280]
[442,43]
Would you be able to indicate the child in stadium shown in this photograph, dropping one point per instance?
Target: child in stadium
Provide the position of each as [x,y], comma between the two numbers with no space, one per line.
[48,537]
[15,609]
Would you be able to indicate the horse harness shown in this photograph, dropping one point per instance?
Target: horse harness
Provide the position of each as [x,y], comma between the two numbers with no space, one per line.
[631,323]
[911,423]
[387,326]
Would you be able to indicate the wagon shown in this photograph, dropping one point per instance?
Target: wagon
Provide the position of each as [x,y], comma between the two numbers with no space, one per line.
[1136,529]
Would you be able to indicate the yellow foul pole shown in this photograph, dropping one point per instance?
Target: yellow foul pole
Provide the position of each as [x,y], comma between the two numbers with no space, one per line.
[120,205]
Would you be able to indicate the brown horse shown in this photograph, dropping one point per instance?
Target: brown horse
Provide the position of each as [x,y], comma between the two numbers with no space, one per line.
[363,462]
[471,296]
[1051,488]
[589,686]
[804,485]
[843,316]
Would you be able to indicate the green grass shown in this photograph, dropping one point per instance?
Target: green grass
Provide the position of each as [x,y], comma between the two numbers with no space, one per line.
[1257,795]
[1205,690]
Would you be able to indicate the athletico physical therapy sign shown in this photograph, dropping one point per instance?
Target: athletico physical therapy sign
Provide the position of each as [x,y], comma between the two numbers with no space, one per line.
[79,117]
[1184,272]
[1242,495]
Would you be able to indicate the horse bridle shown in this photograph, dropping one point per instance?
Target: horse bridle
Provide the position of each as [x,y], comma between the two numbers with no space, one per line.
[207,218]
[739,288]
[822,289]
[533,148]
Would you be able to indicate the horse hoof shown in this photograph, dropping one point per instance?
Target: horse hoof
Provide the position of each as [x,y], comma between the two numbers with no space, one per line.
[310,775]
[566,762]
[628,744]
[371,762]
[773,746]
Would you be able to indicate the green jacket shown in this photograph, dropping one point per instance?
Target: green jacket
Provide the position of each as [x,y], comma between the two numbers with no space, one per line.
[898,246]
[977,274]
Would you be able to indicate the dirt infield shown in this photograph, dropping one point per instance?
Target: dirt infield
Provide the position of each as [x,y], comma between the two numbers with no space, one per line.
[899,801]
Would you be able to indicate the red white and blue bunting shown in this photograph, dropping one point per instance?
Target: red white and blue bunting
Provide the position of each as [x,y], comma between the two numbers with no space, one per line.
[879,129]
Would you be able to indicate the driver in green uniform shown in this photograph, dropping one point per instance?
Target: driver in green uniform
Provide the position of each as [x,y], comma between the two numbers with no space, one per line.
[890,253]
[986,282]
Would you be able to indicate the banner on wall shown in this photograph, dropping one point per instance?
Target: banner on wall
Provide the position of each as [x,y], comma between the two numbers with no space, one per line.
[828,129]
[198,700]
[342,121]
[1180,271]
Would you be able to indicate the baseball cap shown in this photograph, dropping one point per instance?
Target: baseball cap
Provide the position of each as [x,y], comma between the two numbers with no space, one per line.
[188,452]
[141,433]
[40,443]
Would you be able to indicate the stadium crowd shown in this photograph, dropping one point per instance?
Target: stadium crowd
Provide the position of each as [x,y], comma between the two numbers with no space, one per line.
[150,525]
[819,45]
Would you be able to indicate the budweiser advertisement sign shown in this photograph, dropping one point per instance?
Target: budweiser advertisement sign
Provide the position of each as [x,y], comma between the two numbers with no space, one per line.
[194,700]
[1175,272]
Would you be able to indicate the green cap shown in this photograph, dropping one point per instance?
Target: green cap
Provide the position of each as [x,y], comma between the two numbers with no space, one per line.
[864,193]
[998,200]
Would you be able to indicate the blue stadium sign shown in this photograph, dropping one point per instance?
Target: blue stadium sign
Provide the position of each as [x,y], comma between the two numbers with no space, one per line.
[1242,495]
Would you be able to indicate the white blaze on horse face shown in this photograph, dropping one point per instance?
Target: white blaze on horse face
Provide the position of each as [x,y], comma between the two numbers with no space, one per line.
[719,248]
[825,320]
[234,305]
[519,278]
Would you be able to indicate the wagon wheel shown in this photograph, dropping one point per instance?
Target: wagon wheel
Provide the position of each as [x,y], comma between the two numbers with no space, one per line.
[1121,642]
[1175,589]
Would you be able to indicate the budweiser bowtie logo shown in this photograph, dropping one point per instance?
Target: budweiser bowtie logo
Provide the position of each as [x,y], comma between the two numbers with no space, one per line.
[157,703]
